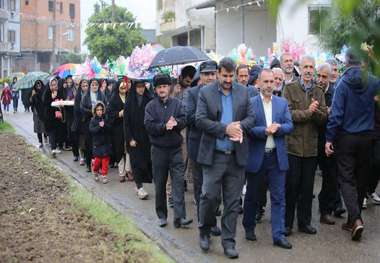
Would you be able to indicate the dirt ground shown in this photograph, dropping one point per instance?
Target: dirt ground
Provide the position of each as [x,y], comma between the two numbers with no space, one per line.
[37,221]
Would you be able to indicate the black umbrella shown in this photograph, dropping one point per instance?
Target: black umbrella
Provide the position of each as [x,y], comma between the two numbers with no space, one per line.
[178,55]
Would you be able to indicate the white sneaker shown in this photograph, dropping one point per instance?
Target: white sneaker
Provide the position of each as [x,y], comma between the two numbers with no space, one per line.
[96,177]
[56,151]
[375,198]
[364,206]
[142,194]
[105,179]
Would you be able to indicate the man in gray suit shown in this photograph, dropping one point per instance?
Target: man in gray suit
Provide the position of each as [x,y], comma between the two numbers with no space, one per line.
[224,115]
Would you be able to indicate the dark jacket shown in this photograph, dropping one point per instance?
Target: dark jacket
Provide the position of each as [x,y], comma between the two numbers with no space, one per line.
[101,145]
[134,113]
[193,133]
[208,116]
[115,105]
[86,108]
[49,115]
[252,91]
[157,114]
[303,142]
[78,120]
[353,104]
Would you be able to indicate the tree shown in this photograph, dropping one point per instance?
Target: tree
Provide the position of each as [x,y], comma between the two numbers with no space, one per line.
[72,58]
[339,29]
[109,37]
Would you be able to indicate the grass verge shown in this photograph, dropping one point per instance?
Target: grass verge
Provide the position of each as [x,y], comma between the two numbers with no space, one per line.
[139,247]
[132,242]
[6,127]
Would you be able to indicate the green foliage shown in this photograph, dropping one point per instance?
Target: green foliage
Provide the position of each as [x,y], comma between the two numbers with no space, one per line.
[6,79]
[168,16]
[109,37]
[5,127]
[72,58]
[340,29]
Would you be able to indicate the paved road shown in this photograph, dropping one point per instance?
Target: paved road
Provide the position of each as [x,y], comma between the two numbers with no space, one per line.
[331,244]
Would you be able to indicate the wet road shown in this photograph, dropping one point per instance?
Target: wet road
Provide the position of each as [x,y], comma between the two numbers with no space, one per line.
[331,244]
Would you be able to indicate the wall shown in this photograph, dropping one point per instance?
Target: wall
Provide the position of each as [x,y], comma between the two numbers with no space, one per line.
[259,28]
[293,23]
[36,20]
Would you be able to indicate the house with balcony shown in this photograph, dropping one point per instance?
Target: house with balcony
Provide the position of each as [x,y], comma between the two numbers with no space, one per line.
[180,23]
[9,35]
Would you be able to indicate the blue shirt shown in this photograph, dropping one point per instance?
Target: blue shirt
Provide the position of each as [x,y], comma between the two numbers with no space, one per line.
[227,117]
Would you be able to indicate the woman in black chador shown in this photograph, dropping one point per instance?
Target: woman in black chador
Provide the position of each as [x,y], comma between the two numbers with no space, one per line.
[136,137]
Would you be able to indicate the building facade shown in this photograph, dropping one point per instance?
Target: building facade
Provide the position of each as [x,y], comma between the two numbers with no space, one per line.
[49,29]
[228,23]
[251,22]
[9,35]
[181,23]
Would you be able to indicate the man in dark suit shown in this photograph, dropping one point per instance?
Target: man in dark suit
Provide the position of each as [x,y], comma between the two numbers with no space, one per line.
[268,159]
[207,76]
[223,114]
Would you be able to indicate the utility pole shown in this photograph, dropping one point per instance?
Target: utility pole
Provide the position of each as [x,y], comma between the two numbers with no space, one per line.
[113,11]
[54,56]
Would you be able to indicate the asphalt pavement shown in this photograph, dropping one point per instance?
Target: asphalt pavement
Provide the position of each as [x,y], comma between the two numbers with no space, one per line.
[331,244]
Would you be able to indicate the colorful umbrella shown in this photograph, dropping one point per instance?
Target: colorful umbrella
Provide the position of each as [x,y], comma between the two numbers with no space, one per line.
[65,70]
[30,78]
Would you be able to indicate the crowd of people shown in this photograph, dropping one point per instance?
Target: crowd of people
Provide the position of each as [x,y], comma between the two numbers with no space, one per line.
[239,131]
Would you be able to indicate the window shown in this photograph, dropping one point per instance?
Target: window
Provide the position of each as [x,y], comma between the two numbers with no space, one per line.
[12,5]
[50,32]
[316,16]
[70,35]
[2,4]
[60,7]
[1,32]
[12,36]
[51,6]
[72,11]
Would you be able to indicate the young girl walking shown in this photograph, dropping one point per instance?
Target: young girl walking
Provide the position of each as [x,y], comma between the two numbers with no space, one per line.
[99,129]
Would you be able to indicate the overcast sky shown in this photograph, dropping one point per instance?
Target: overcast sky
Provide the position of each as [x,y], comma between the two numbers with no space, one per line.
[143,10]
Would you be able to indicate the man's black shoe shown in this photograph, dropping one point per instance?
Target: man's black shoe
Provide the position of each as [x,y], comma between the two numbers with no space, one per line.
[338,213]
[288,231]
[183,222]
[250,235]
[215,231]
[204,242]
[162,222]
[231,252]
[307,230]
[283,243]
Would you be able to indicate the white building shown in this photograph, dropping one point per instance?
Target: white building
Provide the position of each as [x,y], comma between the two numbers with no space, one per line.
[9,35]
[180,23]
[243,21]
